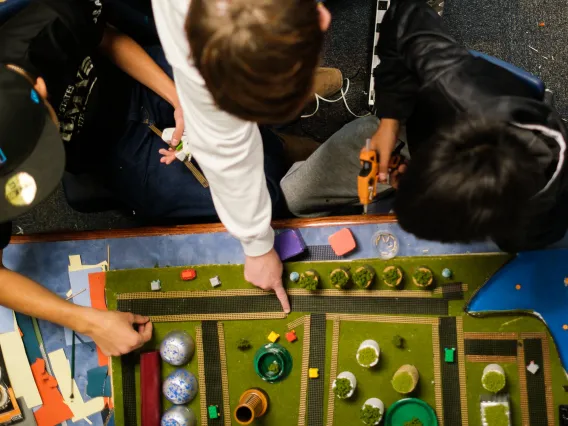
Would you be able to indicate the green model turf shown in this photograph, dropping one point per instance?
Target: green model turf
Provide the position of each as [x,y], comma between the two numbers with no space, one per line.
[243,345]
[493,381]
[391,276]
[398,341]
[367,356]
[309,281]
[471,269]
[370,415]
[339,278]
[496,415]
[413,422]
[403,382]
[362,277]
[274,368]
[342,388]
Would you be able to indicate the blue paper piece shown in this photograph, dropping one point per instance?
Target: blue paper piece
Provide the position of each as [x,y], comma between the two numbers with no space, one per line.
[98,382]
[31,343]
[6,320]
[533,283]
[79,280]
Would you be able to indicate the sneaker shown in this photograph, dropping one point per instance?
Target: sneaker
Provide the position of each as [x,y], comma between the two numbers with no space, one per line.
[328,82]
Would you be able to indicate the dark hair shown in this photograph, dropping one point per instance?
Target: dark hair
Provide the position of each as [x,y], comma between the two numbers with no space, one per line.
[469,183]
[258,57]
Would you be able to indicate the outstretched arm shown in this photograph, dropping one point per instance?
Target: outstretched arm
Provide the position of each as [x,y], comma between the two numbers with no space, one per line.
[131,58]
[112,331]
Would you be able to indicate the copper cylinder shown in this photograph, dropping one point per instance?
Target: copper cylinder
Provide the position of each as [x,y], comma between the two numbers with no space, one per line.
[252,404]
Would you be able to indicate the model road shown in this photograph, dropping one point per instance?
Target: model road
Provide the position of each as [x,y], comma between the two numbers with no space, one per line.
[315,304]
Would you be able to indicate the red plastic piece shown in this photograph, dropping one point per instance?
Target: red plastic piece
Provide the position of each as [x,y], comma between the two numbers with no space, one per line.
[188,274]
[342,242]
[291,336]
[54,410]
[150,388]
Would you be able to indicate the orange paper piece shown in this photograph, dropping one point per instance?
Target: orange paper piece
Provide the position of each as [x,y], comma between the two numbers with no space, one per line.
[342,242]
[54,410]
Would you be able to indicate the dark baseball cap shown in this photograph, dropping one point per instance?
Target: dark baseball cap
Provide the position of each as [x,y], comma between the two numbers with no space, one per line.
[32,156]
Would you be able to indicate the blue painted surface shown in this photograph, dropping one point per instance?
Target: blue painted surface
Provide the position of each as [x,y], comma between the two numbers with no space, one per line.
[47,263]
[542,292]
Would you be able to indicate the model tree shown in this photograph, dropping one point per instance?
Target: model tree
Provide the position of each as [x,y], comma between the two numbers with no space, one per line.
[370,415]
[392,276]
[423,277]
[243,345]
[398,341]
[339,278]
[342,388]
[309,280]
[363,276]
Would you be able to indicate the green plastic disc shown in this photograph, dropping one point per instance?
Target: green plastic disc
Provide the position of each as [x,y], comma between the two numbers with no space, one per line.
[406,410]
[272,363]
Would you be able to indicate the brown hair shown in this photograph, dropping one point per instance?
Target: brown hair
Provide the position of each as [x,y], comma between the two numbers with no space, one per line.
[257,57]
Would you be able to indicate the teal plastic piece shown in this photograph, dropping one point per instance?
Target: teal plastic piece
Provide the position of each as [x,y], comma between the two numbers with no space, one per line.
[213,412]
[268,356]
[406,410]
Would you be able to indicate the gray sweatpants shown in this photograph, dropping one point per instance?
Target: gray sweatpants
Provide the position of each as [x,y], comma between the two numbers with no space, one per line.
[327,180]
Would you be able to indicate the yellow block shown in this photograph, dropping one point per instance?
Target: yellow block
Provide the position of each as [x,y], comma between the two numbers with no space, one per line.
[273,337]
[313,373]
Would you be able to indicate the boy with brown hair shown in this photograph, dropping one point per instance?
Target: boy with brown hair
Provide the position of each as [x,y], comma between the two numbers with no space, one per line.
[238,63]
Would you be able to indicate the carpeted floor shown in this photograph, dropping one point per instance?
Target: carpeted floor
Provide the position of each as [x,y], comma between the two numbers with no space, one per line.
[503,28]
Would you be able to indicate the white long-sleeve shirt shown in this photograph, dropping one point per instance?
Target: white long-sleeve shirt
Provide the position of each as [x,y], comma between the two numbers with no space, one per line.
[228,149]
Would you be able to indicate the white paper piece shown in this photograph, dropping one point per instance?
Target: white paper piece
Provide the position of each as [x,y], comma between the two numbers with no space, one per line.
[62,371]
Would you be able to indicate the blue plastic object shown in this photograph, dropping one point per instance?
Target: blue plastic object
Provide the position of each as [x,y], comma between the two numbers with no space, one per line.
[536,84]
[533,283]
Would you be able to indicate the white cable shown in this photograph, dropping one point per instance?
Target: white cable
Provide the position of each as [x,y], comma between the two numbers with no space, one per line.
[343,96]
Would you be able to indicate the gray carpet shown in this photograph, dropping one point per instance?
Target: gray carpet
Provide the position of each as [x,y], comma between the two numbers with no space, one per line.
[503,28]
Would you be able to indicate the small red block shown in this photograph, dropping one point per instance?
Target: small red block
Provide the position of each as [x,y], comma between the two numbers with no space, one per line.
[188,274]
[342,242]
[291,336]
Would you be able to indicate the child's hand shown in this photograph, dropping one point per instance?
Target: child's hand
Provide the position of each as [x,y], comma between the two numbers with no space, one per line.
[168,156]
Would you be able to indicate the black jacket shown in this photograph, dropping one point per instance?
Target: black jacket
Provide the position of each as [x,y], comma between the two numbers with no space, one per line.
[427,80]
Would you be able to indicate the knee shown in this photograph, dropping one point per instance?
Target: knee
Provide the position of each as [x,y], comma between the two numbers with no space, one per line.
[296,195]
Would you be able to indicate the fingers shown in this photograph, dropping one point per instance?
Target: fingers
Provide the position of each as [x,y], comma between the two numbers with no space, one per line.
[139,319]
[283,298]
[145,333]
[176,137]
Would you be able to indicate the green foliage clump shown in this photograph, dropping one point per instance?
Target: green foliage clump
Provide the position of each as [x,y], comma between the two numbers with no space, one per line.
[366,356]
[370,415]
[274,368]
[493,381]
[363,276]
[342,388]
[422,276]
[339,278]
[414,422]
[308,281]
[398,341]
[392,276]
[403,382]
[243,345]
[496,415]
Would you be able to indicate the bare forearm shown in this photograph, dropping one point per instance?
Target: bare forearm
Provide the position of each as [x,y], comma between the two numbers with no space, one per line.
[131,58]
[28,297]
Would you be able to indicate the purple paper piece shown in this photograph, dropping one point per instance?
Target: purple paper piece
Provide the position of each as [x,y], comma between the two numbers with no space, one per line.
[289,244]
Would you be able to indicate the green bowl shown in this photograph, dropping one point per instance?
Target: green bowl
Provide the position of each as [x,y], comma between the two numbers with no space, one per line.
[410,408]
[271,354]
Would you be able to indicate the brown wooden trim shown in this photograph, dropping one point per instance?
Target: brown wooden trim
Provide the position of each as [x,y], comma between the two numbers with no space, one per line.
[198,229]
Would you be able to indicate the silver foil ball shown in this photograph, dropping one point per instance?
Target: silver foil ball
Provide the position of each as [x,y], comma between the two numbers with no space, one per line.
[178,415]
[180,387]
[177,348]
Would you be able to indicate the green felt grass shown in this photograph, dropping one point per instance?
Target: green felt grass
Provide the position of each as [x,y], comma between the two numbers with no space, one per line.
[493,381]
[367,356]
[376,382]
[342,388]
[496,416]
